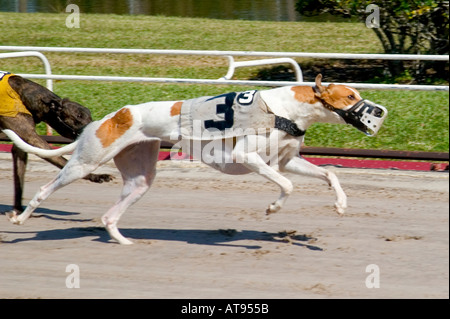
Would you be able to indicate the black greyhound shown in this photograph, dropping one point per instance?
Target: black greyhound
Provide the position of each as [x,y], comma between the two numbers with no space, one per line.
[66,117]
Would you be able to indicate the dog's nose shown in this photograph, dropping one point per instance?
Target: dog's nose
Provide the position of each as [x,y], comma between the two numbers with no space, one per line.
[377,112]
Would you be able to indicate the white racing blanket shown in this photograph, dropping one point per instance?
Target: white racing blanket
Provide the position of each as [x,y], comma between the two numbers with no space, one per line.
[224,116]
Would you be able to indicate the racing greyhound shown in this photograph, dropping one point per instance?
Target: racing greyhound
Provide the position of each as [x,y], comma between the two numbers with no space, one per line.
[23,104]
[131,136]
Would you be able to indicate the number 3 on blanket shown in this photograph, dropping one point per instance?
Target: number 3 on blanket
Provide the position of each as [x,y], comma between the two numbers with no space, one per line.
[226,108]
[246,98]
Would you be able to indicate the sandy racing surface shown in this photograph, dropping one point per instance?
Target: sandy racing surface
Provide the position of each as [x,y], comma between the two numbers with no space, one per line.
[202,234]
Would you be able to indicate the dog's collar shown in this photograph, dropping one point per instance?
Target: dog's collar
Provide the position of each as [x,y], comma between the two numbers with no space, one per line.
[62,124]
[285,124]
[288,126]
[69,129]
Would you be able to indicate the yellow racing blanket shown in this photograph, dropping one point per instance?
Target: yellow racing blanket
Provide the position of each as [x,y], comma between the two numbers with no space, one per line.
[10,102]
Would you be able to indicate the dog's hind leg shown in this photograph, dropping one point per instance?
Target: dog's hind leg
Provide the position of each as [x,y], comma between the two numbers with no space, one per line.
[24,126]
[301,166]
[137,165]
[70,173]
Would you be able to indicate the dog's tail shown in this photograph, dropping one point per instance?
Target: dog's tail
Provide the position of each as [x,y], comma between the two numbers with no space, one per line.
[36,150]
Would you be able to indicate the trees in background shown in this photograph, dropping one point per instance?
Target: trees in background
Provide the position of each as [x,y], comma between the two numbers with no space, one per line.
[405,26]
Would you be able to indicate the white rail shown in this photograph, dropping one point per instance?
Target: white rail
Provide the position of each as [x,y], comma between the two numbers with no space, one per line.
[47,67]
[236,53]
[239,64]
[232,53]
[231,82]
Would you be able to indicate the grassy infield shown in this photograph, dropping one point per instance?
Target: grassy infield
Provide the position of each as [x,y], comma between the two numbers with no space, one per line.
[417,120]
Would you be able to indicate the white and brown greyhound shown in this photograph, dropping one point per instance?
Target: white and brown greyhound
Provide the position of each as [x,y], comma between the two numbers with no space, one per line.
[132,135]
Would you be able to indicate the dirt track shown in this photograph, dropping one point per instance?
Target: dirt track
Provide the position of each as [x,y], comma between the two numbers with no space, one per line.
[202,234]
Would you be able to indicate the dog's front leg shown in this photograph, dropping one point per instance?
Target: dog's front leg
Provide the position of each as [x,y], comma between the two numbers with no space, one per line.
[20,159]
[301,166]
[255,163]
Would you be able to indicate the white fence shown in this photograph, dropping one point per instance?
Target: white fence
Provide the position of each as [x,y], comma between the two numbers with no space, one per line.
[225,54]
[48,69]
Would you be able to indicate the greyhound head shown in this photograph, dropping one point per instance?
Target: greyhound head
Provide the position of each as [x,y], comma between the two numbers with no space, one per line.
[337,96]
[68,118]
[363,114]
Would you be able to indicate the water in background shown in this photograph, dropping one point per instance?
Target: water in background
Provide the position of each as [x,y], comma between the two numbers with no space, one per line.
[266,10]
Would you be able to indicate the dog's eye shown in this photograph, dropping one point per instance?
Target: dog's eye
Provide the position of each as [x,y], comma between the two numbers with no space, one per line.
[351,97]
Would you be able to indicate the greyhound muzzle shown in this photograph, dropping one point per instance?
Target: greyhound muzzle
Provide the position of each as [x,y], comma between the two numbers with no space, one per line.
[365,115]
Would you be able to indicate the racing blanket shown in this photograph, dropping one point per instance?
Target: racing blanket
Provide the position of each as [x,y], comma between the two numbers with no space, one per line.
[10,102]
[224,116]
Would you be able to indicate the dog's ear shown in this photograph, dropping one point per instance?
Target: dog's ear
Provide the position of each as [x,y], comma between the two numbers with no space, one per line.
[319,87]
[52,103]
[67,105]
[46,99]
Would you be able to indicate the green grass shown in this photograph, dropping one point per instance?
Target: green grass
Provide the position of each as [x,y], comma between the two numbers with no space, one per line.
[97,30]
[417,121]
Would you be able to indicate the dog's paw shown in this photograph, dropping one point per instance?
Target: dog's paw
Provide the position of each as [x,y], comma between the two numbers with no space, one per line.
[340,209]
[273,208]
[125,241]
[13,217]
[100,178]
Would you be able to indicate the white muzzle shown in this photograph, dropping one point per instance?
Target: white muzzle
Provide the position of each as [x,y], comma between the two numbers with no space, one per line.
[365,115]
